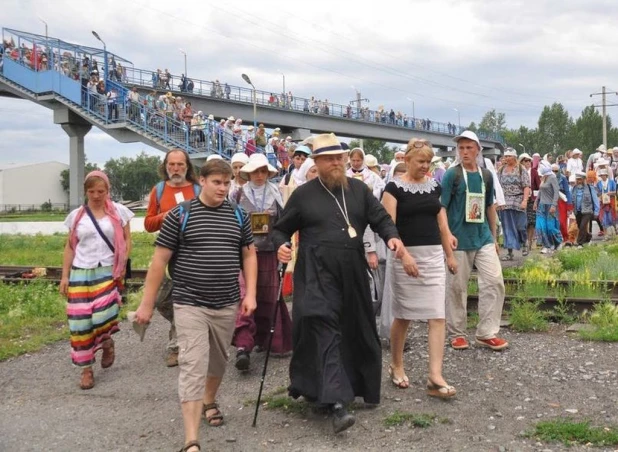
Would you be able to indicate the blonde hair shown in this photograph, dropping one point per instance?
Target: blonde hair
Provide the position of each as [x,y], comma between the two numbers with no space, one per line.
[425,149]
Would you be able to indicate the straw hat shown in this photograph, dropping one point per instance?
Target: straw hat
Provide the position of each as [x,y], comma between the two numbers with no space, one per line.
[257,161]
[327,144]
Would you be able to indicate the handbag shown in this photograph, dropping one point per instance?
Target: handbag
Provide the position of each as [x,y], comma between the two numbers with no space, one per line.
[107,242]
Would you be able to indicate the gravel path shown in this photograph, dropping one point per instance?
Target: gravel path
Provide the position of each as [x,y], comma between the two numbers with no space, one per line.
[134,405]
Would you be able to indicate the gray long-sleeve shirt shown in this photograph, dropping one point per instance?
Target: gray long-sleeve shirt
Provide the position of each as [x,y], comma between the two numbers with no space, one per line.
[548,191]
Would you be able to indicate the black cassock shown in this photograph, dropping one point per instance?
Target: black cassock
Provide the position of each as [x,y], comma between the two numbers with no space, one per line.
[337,353]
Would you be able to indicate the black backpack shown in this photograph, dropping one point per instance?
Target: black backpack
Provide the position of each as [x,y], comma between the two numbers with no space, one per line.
[487,176]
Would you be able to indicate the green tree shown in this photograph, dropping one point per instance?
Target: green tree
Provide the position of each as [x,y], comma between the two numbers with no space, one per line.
[472,127]
[588,131]
[522,136]
[553,130]
[493,122]
[378,148]
[64,174]
[132,179]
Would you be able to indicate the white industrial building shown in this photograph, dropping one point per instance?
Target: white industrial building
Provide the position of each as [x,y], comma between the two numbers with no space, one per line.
[28,186]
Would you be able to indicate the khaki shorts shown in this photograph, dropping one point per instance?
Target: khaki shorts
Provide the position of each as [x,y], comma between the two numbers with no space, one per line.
[204,337]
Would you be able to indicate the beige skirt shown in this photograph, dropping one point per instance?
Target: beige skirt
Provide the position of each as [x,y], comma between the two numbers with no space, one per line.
[423,297]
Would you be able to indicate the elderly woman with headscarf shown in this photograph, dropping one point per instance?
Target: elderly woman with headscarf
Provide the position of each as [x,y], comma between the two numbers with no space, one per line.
[93,268]
[515,183]
[261,199]
[607,196]
[546,205]
[586,207]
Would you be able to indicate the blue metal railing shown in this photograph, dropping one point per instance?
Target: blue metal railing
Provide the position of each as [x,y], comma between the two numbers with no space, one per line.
[150,79]
[67,59]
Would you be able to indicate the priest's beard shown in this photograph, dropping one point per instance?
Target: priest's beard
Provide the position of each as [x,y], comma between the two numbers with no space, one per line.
[334,178]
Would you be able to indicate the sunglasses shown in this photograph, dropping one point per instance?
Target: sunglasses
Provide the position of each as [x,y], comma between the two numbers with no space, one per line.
[418,144]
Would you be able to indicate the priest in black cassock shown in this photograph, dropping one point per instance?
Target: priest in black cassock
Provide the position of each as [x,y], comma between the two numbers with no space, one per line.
[336,349]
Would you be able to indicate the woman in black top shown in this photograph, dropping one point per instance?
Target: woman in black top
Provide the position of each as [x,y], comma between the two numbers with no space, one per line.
[418,280]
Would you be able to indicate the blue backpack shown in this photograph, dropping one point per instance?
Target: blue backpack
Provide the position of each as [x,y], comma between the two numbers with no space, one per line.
[161,186]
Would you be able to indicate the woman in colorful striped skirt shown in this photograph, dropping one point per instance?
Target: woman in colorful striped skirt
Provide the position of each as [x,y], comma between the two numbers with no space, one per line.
[93,269]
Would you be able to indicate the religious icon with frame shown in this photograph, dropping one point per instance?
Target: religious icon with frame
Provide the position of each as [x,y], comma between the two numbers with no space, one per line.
[259,223]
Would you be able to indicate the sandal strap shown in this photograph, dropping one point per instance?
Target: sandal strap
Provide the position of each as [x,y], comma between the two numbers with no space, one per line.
[210,406]
[189,445]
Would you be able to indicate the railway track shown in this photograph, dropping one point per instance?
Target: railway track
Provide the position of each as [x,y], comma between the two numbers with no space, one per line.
[25,275]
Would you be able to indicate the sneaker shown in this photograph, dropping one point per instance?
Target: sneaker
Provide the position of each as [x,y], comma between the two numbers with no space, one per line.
[495,343]
[243,359]
[171,358]
[342,420]
[545,250]
[524,251]
[460,343]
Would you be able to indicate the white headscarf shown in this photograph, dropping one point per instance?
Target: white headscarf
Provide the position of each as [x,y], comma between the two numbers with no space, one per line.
[265,195]
[300,174]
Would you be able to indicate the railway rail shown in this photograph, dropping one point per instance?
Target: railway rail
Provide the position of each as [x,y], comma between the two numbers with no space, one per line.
[25,275]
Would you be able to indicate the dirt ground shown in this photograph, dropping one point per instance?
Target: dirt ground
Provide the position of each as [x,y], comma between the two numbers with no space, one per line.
[134,405]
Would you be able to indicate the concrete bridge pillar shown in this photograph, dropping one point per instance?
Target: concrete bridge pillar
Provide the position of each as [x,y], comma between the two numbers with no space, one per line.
[76,128]
[298,134]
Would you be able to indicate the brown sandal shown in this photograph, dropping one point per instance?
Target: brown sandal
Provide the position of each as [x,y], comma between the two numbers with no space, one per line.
[87,381]
[189,445]
[442,392]
[108,354]
[213,418]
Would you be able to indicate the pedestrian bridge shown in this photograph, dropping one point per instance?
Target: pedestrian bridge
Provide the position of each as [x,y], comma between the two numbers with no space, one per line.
[54,74]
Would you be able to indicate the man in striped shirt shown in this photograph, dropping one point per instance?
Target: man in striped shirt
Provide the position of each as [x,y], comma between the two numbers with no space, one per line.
[205,292]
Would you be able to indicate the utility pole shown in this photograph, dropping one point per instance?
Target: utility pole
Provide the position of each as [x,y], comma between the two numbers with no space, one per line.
[604,106]
[359,104]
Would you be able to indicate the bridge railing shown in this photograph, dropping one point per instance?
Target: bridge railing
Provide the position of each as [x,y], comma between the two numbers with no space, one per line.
[226,92]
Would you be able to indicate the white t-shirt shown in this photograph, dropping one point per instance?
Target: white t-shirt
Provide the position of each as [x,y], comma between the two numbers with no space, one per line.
[91,249]
[574,165]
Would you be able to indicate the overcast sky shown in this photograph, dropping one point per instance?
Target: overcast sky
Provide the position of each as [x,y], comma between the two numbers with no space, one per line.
[469,55]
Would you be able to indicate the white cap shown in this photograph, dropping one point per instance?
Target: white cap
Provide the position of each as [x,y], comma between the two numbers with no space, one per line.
[470,135]
[213,157]
[576,151]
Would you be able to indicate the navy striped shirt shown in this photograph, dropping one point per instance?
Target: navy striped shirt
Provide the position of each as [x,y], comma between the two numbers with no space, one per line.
[208,262]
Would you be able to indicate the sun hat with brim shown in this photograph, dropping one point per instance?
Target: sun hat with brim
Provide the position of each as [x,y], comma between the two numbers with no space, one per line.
[523,156]
[545,170]
[308,141]
[302,149]
[576,151]
[602,172]
[240,157]
[470,135]
[327,144]
[510,152]
[257,161]
[580,175]
[436,159]
[371,161]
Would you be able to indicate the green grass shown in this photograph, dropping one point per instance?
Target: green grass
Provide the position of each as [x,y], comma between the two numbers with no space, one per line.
[43,216]
[604,322]
[46,250]
[473,319]
[419,420]
[275,400]
[526,316]
[33,315]
[573,433]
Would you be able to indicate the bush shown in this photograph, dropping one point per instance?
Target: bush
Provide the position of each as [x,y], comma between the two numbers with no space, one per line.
[526,316]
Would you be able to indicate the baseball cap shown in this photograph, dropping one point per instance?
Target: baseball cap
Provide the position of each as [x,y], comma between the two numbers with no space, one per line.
[470,135]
